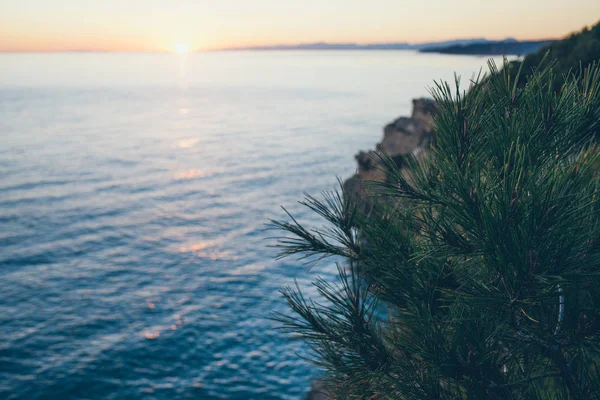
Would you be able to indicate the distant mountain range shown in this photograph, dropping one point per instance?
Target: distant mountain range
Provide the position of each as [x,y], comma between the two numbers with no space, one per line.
[468,46]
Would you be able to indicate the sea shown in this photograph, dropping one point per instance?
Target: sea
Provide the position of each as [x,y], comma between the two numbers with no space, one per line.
[135,190]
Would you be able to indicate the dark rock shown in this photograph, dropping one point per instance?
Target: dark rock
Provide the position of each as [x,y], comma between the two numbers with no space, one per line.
[402,136]
[365,160]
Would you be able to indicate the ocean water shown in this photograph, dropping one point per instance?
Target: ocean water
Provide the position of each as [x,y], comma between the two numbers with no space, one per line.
[134,192]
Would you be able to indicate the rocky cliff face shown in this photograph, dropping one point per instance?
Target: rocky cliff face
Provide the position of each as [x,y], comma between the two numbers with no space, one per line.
[403,136]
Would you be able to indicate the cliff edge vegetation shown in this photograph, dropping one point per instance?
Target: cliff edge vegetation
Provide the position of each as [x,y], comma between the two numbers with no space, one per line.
[412,135]
[483,280]
[569,55]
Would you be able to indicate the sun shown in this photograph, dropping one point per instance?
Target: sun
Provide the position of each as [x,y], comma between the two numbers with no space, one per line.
[182,48]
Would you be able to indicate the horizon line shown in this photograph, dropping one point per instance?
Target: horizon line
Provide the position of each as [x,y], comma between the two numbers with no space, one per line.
[259,47]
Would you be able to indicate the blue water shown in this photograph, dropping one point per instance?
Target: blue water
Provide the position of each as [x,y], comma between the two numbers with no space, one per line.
[134,190]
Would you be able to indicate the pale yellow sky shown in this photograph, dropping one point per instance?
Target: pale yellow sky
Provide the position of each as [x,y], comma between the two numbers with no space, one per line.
[158,25]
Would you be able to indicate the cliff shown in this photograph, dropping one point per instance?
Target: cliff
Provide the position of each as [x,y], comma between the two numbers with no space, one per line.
[403,136]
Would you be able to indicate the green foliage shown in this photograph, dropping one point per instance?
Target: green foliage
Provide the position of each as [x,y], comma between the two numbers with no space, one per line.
[571,54]
[483,282]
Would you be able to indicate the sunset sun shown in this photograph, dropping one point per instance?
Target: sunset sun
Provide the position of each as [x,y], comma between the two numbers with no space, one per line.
[182,48]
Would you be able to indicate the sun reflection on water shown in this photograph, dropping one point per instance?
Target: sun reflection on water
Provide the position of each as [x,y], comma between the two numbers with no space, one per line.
[187,143]
[189,174]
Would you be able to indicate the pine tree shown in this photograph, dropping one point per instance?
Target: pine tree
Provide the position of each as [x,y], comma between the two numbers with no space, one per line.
[478,277]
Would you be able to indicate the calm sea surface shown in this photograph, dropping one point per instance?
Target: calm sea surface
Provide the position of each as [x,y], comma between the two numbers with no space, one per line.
[134,189]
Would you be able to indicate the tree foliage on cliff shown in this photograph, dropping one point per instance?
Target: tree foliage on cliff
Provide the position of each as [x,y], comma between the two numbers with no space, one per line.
[483,282]
[571,54]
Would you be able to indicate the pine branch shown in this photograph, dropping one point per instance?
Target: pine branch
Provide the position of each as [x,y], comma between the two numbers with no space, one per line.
[483,262]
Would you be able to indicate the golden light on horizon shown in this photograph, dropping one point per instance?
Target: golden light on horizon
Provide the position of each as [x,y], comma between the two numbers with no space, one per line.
[183,28]
[182,48]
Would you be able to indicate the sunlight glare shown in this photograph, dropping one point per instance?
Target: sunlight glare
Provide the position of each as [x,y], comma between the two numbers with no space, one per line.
[182,48]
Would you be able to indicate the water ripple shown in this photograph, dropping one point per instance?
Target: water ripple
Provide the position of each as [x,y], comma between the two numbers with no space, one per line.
[132,246]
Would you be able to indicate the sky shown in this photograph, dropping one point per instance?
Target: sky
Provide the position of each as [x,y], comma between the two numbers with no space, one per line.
[160,25]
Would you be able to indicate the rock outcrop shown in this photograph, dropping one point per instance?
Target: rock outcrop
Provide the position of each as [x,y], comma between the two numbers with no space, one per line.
[403,136]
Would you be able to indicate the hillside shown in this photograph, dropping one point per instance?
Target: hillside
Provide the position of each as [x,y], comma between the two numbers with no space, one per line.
[491,48]
[577,50]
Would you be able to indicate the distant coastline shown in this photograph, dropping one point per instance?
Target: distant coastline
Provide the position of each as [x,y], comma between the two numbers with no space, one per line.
[355,46]
[475,46]
[492,48]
